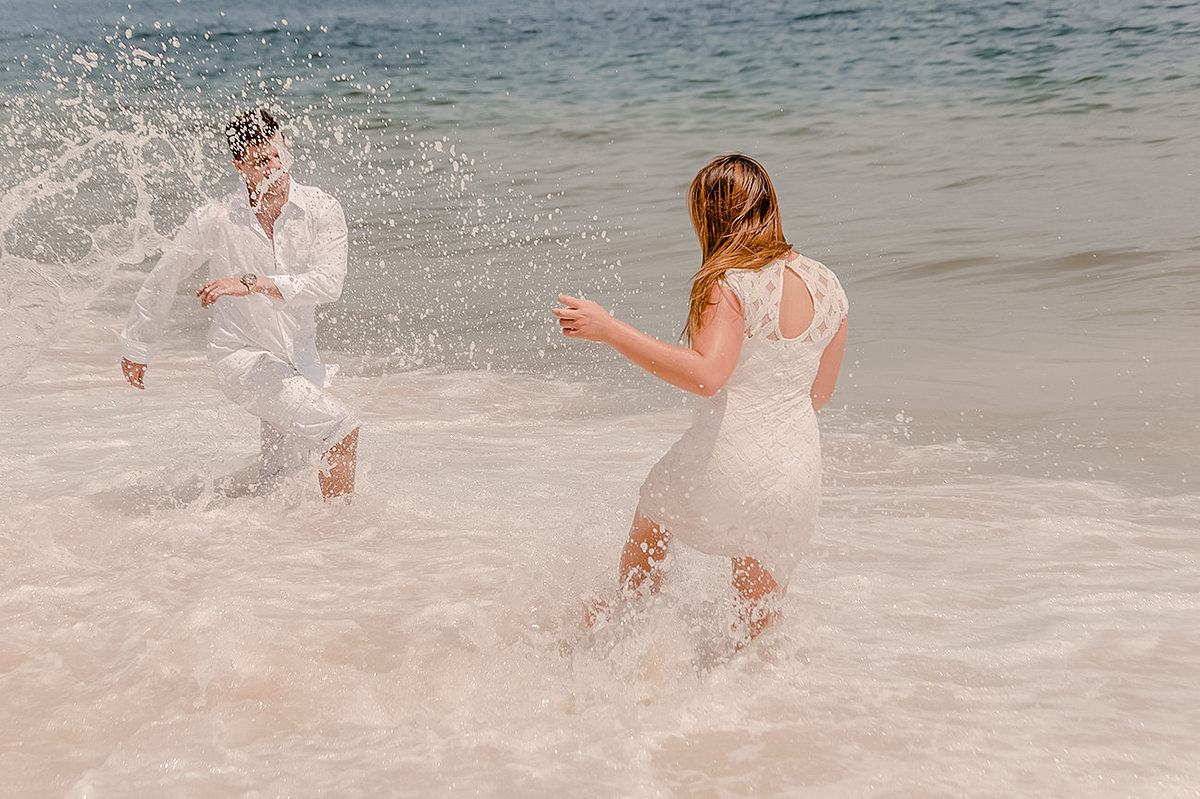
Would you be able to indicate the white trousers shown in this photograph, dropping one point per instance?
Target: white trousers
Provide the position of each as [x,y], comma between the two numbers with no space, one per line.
[300,420]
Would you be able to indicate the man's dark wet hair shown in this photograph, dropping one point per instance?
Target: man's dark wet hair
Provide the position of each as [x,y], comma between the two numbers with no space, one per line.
[248,130]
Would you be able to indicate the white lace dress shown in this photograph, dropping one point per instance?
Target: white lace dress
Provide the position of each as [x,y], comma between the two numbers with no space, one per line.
[745,479]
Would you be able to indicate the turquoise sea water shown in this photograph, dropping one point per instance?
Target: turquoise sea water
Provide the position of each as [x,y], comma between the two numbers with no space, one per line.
[1008,188]
[1001,599]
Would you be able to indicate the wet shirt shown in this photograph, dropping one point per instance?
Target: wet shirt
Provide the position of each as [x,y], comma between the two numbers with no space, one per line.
[307,264]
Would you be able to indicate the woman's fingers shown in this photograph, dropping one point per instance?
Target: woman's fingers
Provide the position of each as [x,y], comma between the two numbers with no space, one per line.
[580,318]
[568,317]
[569,324]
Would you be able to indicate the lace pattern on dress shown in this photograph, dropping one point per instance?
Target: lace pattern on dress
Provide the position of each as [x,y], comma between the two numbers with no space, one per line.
[761,291]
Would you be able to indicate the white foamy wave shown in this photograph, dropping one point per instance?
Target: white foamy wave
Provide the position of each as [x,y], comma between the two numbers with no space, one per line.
[66,229]
[162,628]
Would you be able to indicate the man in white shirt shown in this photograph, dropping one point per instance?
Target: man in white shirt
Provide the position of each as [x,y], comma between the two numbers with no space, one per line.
[274,251]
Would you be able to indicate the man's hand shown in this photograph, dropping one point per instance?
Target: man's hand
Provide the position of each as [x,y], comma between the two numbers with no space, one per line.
[213,290]
[134,372]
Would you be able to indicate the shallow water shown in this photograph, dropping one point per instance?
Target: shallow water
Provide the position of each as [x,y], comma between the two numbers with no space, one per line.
[950,633]
[1001,598]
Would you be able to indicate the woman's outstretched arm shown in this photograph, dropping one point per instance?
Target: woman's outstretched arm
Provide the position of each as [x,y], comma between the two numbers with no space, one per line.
[702,368]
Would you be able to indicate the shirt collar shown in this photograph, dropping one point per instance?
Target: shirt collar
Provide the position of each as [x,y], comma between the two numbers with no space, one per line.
[239,201]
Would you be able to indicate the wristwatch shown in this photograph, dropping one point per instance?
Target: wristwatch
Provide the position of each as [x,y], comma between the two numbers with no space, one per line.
[249,281]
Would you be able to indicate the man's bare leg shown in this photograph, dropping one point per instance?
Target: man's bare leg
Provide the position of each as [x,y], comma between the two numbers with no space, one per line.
[342,459]
[757,588]
[641,556]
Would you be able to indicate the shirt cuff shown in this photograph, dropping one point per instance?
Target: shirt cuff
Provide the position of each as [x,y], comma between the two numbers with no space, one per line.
[288,285]
[135,351]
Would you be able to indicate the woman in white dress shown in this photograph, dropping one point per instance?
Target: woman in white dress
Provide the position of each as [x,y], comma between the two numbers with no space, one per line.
[766,331]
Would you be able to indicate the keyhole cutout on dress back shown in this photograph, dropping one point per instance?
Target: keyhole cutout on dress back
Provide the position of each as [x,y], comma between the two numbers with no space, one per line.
[796,306]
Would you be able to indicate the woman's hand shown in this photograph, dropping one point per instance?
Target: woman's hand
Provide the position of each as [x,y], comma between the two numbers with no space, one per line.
[583,319]
[213,290]
[702,368]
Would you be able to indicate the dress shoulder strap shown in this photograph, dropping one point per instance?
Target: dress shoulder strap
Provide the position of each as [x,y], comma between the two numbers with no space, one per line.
[758,290]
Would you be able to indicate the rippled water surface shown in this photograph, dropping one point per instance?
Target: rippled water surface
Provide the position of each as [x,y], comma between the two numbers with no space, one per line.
[1002,595]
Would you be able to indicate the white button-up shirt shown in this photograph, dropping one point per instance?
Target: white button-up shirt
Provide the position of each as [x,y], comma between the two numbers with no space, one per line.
[307,264]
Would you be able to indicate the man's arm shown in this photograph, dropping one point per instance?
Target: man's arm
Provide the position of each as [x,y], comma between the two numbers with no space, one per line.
[214,290]
[141,338]
[323,281]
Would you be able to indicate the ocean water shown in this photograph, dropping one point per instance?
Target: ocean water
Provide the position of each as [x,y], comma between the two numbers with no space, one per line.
[1001,598]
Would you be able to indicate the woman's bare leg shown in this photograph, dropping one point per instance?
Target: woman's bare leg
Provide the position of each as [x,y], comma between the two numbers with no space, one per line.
[641,556]
[757,588]
[342,459]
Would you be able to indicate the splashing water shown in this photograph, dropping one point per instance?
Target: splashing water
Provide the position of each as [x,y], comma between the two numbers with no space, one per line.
[128,141]
[1001,598]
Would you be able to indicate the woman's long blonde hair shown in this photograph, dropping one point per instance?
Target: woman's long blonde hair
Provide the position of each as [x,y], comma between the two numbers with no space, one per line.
[736,216]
